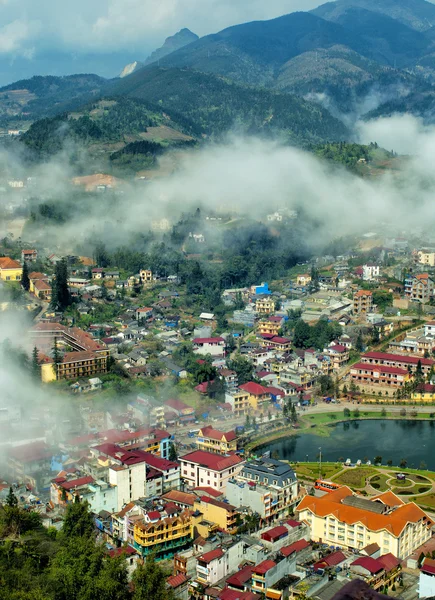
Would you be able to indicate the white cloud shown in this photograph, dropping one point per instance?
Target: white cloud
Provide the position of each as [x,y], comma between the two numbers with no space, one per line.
[112,25]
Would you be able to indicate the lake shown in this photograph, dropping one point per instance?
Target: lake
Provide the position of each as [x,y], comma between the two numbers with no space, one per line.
[358,440]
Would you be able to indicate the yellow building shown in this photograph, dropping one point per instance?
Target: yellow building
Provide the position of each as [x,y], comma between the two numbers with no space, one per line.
[303,280]
[341,518]
[163,536]
[258,394]
[265,306]
[74,365]
[222,514]
[424,393]
[212,440]
[146,276]
[10,270]
[271,326]
[241,406]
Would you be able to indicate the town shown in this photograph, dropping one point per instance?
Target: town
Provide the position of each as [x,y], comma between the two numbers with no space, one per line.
[171,405]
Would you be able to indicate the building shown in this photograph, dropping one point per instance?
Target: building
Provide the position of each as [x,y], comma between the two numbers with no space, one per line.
[363,375]
[29,256]
[276,342]
[426,585]
[259,395]
[419,288]
[338,355]
[217,512]
[99,494]
[303,280]
[163,536]
[397,360]
[212,440]
[10,270]
[239,401]
[270,326]
[341,518]
[145,276]
[268,487]
[29,462]
[183,412]
[362,302]
[230,379]
[40,286]
[424,257]
[215,346]
[265,305]
[370,272]
[143,313]
[200,468]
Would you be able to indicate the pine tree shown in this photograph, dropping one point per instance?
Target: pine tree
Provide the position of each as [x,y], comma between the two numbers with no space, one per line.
[61,297]
[57,358]
[25,281]
[173,453]
[11,499]
[35,366]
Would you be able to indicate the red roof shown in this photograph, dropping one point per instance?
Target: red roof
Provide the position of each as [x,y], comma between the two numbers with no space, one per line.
[210,491]
[380,368]
[330,561]
[30,452]
[279,340]
[264,567]
[154,515]
[202,387]
[178,405]
[428,566]
[255,389]
[338,348]
[209,340]
[275,391]
[412,360]
[215,434]
[293,523]
[215,462]
[213,502]
[176,580]
[212,555]
[241,577]
[122,550]
[295,547]
[369,564]
[275,533]
[389,562]
[75,483]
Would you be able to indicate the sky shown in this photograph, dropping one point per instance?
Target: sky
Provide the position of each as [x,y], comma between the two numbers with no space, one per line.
[58,37]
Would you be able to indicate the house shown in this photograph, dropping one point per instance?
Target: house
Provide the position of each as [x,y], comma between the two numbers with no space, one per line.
[370,272]
[398,360]
[426,584]
[270,326]
[184,412]
[276,342]
[362,302]
[212,440]
[97,273]
[258,394]
[230,379]
[199,468]
[265,305]
[425,257]
[145,276]
[10,270]
[215,511]
[419,288]
[365,375]
[338,355]
[179,584]
[40,286]
[163,536]
[303,280]
[268,487]
[143,313]
[29,256]
[341,518]
[99,494]
[215,346]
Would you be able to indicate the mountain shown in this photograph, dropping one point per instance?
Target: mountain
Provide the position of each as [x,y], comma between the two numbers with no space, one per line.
[252,53]
[416,14]
[217,105]
[30,99]
[172,43]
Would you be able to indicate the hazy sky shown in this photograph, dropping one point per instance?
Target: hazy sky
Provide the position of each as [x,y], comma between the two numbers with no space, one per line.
[28,27]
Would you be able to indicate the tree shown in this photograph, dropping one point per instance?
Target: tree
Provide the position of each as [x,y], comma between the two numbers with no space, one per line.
[389,462]
[375,336]
[60,298]
[247,422]
[302,334]
[346,413]
[293,414]
[78,521]
[356,413]
[216,389]
[383,413]
[173,456]
[149,581]
[378,460]
[359,344]
[25,281]
[243,367]
[11,499]
[326,384]
[403,463]
[403,412]
[35,366]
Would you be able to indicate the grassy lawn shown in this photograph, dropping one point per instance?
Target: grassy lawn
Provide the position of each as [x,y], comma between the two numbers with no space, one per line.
[379,482]
[355,477]
[311,470]
[427,501]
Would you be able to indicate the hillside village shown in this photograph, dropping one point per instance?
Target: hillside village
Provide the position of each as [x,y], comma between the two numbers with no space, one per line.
[170,398]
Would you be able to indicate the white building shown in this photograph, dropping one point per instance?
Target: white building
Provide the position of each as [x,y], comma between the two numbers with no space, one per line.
[215,346]
[200,468]
[426,586]
[370,272]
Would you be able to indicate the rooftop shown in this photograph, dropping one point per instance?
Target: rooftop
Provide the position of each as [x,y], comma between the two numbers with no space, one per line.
[216,462]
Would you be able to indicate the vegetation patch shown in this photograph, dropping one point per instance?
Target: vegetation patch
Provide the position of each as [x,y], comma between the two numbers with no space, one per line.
[379,482]
[357,477]
[311,470]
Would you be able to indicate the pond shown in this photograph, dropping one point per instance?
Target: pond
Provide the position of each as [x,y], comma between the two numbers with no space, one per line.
[393,440]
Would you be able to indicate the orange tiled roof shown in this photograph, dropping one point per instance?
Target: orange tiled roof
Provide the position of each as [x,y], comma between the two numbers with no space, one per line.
[363,293]
[394,522]
[9,263]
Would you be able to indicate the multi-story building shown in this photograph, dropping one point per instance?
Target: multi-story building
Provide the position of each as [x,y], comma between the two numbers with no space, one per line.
[338,355]
[220,513]
[99,494]
[265,305]
[239,401]
[270,326]
[200,468]
[424,257]
[212,440]
[40,286]
[215,346]
[10,270]
[341,518]
[29,462]
[230,379]
[29,255]
[397,360]
[370,271]
[146,276]
[269,487]
[364,374]
[426,584]
[258,395]
[73,365]
[163,536]
[362,302]
[275,342]
[419,287]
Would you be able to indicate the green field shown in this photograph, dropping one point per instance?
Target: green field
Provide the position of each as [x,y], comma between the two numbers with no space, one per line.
[379,482]
[310,471]
[355,477]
